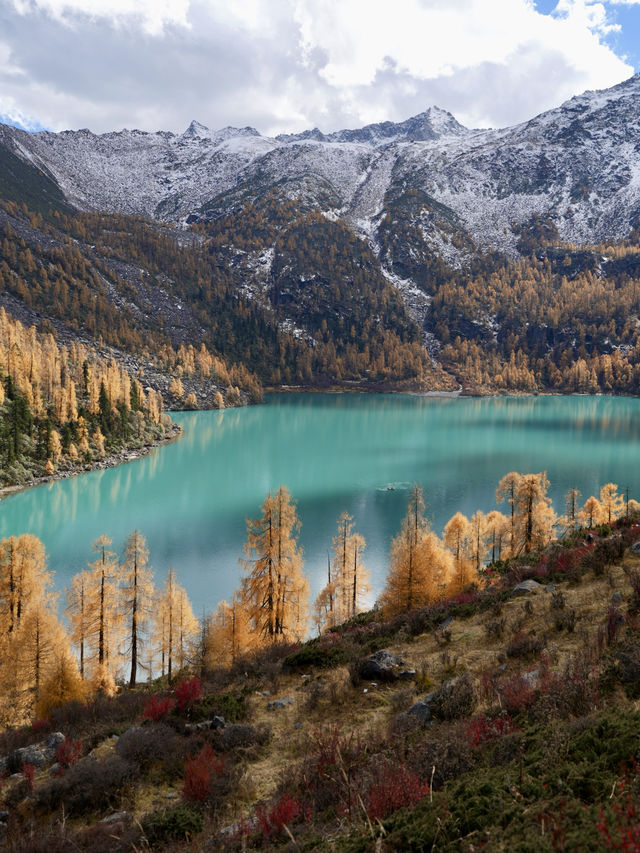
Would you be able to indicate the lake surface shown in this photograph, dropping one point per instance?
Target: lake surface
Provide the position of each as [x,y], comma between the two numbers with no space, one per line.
[335,452]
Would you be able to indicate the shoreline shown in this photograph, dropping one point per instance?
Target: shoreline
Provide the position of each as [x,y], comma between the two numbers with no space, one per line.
[113,460]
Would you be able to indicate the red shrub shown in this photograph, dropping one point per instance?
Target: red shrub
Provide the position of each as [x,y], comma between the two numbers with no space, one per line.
[29,772]
[622,832]
[398,788]
[158,708]
[201,775]
[68,752]
[481,729]
[188,693]
[284,812]
[41,726]
[517,694]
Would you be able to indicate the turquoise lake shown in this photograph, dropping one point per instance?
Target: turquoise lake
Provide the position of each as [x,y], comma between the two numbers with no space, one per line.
[335,452]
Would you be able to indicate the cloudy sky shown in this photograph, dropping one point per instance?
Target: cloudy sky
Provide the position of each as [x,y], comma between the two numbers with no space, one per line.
[285,65]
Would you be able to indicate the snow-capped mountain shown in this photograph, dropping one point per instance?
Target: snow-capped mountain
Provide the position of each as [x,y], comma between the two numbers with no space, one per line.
[578,165]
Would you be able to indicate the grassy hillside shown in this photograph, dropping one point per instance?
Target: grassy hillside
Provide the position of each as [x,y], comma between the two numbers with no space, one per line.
[529,742]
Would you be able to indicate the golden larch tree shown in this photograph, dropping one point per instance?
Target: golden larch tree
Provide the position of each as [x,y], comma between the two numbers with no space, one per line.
[275,591]
[507,491]
[457,537]
[174,626]
[105,604]
[80,612]
[226,635]
[612,503]
[571,503]
[421,567]
[534,514]
[137,595]
[591,513]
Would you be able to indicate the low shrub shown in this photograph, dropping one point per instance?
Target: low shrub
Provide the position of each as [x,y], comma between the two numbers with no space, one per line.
[231,706]
[158,708]
[517,694]
[396,787]
[68,753]
[241,736]
[181,823]
[144,745]
[317,656]
[494,628]
[482,729]
[284,812]
[620,829]
[454,699]
[524,645]
[188,693]
[205,777]
[88,786]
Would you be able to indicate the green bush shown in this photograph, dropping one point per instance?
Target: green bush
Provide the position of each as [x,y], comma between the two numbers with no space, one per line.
[315,656]
[179,824]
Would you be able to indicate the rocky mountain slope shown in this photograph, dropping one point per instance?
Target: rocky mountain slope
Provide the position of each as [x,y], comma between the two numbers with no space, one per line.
[349,248]
[578,164]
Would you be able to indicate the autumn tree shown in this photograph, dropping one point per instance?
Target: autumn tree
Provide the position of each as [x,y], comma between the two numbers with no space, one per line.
[63,684]
[348,580]
[457,538]
[275,591]
[80,612]
[137,594]
[227,635]
[507,491]
[498,526]
[612,503]
[30,633]
[174,626]
[591,512]
[24,579]
[571,508]
[534,514]
[106,613]
[421,567]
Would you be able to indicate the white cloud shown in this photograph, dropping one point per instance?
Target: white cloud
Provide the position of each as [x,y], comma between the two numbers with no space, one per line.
[152,14]
[289,64]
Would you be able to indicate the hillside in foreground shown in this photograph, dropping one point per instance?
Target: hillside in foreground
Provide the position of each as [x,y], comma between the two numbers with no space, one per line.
[495,720]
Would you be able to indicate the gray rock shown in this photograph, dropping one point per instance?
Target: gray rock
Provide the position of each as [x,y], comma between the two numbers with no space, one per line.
[32,755]
[616,599]
[4,816]
[172,795]
[446,624]
[116,817]
[54,740]
[297,725]
[421,711]
[532,677]
[204,726]
[218,723]
[635,548]
[527,586]
[550,587]
[16,777]
[278,704]
[55,769]
[380,666]
[407,675]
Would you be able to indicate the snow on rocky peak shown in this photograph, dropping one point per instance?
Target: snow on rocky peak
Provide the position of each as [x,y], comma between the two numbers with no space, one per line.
[197,131]
[578,164]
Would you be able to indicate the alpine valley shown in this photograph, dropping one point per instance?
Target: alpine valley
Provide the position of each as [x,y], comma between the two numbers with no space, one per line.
[419,255]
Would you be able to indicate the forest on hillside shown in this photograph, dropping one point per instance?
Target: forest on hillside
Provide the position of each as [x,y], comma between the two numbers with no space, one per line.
[119,626]
[503,695]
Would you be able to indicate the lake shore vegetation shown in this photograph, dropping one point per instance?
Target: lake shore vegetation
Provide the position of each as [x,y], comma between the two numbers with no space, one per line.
[267,736]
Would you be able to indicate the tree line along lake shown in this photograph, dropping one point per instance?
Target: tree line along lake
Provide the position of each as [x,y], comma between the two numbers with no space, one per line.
[334,452]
